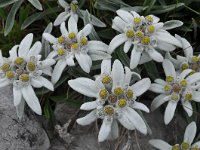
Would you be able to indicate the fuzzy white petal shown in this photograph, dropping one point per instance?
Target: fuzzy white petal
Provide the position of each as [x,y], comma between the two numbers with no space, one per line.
[89,105]
[188,108]
[84,61]
[165,37]
[25,45]
[160,81]
[169,111]
[176,62]
[116,41]
[126,16]
[127,46]
[114,133]
[169,68]
[63,29]
[155,55]
[35,49]
[118,24]
[87,30]
[196,96]
[137,120]
[165,46]
[12,52]
[84,86]
[126,122]
[98,55]
[72,25]
[62,17]
[70,61]
[185,73]
[47,63]
[135,58]
[104,130]
[88,119]
[36,83]
[128,75]
[97,46]
[117,73]
[159,100]
[31,99]
[17,96]
[46,83]
[140,106]
[160,144]
[58,69]
[145,58]
[63,3]
[141,86]
[106,66]
[193,78]
[49,37]
[186,46]
[190,132]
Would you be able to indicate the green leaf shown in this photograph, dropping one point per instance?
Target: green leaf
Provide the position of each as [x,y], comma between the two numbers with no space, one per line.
[151,70]
[150,4]
[36,4]
[172,24]
[111,5]
[167,8]
[123,56]
[38,16]
[96,22]
[30,20]
[48,112]
[4,3]
[86,19]
[93,20]
[45,44]
[11,17]
[135,8]
[106,33]
[195,28]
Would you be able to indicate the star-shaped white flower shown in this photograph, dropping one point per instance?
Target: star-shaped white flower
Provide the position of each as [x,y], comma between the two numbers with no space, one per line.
[75,44]
[70,11]
[145,34]
[189,61]
[115,100]
[24,70]
[188,139]
[177,87]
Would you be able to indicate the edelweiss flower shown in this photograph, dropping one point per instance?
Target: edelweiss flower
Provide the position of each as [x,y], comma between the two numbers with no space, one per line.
[24,69]
[146,34]
[73,43]
[70,11]
[115,100]
[177,87]
[188,139]
[190,61]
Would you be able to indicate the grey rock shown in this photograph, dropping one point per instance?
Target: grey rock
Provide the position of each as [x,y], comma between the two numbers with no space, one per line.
[15,134]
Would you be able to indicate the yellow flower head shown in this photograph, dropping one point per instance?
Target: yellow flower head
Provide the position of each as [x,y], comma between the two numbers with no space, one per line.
[122,102]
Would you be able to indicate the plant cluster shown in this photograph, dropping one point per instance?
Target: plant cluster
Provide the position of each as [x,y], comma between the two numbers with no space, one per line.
[141,41]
